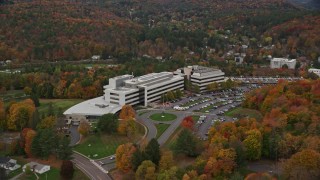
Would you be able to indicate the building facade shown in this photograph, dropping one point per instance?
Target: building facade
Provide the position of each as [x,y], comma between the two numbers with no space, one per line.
[125,89]
[277,63]
[141,90]
[201,76]
[316,71]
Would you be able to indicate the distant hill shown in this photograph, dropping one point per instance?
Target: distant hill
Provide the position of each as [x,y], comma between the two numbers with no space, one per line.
[310,4]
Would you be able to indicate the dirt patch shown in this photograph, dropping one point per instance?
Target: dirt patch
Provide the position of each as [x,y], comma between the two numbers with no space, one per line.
[184,161]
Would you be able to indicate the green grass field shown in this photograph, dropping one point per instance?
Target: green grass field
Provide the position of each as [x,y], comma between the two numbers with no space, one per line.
[54,174]
[163,117]
[57,104]
[104,145]
[244,112]
[161,128]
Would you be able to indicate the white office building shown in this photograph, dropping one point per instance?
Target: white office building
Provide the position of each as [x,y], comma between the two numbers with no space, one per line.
[125,89]
[316,71]
[201,76]
[277,63]
[141,90]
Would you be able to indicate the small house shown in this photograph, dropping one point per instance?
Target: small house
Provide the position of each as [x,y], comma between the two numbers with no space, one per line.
[9,164]
[36,167]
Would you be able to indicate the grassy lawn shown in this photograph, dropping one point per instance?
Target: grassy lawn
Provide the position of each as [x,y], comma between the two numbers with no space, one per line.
[62,104]
[54,174]
[104,145]
[163,117]
[244,112]
[161,128]
[15,172]
[195,118]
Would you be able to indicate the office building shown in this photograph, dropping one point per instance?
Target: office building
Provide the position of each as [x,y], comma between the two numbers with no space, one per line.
[201,76]
[277,63]
[125,89]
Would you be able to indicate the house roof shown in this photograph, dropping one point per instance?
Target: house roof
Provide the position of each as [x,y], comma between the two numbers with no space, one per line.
[4,160]
[35,165]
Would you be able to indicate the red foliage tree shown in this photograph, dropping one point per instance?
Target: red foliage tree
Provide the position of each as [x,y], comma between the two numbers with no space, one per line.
[188,122]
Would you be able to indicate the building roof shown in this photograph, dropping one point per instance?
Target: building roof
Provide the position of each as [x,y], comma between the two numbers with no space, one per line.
[148,77]
[35,165]
[284,59]
[95,107]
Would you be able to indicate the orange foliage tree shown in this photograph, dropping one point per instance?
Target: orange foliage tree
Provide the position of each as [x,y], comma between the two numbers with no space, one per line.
[127,112]
[124,155]
[28,141]
[20,114]
[188,122]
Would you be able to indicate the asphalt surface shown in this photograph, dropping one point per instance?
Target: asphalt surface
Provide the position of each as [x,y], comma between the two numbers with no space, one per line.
[91,170]
[74,135]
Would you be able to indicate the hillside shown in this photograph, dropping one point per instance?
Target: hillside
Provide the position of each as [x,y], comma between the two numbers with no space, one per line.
[71,30]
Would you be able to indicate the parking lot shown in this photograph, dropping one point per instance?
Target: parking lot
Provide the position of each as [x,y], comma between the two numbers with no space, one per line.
[211,107]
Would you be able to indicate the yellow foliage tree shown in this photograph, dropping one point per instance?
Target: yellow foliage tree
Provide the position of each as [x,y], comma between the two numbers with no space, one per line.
[166,161]
[84,128]
[20,114]
[127,112]
[48,122]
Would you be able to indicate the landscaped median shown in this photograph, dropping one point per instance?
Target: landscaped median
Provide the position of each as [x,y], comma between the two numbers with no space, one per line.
[161,128]
[163,117]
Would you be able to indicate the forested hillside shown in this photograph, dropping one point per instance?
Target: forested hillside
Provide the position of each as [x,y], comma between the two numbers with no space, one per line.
[74,30]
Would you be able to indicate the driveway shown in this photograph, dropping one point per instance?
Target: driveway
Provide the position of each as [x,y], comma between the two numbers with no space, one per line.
[75,136]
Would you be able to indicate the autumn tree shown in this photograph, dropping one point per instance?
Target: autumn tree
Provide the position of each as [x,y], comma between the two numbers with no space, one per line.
[253,144]
[127,112]
[146,170]
[124,154]
[169,174]
[127,127]
[47,122]
[303,165]
[188,122]
[166,161]
[255,176]
[84,128]
[20,114]
[67,170]
[28,142]
[108,123]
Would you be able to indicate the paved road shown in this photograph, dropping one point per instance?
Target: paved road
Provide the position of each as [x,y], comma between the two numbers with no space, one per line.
[74,135]
[91,170]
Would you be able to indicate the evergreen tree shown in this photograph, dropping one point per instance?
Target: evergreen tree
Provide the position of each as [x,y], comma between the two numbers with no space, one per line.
[108,123]
[64,151]
[186,143]
[35,99]
[137,158]
[44,143]
[67,170]
[50,110]
[35,119]
[153,151]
